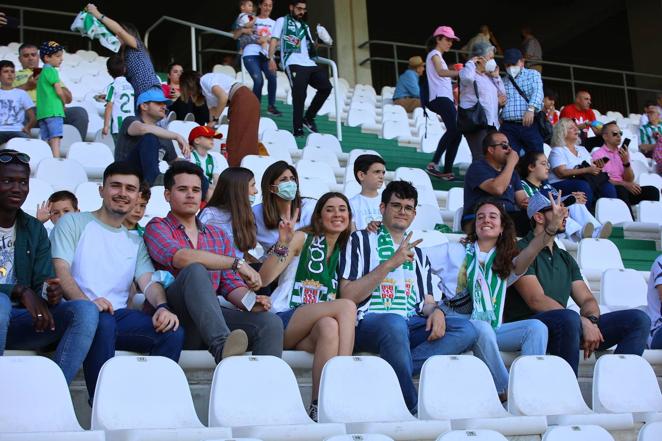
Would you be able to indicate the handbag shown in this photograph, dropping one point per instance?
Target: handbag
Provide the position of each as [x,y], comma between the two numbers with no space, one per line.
[472,119]
[594,181]
[539,118]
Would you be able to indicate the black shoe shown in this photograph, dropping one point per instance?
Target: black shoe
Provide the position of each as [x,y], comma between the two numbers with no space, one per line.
[310,125]
[298,133]
[275,112]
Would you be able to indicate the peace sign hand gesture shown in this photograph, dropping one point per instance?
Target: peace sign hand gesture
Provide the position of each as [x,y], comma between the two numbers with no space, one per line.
[559,213]
[286,227]
[405,252]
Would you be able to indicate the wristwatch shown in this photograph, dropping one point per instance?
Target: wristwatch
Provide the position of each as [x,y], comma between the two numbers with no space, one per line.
[237,264]
[593,319]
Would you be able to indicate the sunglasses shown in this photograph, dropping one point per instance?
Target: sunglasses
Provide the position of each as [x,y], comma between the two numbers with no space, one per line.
[7,157]
[503,145]
[616,133]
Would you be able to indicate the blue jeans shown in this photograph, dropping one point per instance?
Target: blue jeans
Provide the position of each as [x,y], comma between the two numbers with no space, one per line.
[128,330]
[145,157]
[656,342]
[256,65]
[606,190]
[75,324]
[628,329]
[450,141]
[523,139]
[403,344]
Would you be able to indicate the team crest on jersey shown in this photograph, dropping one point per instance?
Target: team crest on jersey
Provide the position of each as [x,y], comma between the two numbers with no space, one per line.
[309,291]
[293,40]
[387,292]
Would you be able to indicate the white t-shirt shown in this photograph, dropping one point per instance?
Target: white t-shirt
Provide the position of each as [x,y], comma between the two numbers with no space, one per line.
[440,87]
[13,104]
[280,298]
[365,210]
[266,237]
[654,307]
[296,58]
[120,93]
[223,220]
[562,156]
[263,27]
[210,80]
[104,260]
[7,240]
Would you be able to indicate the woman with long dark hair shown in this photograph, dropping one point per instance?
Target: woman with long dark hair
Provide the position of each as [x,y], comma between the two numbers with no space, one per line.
[179,106]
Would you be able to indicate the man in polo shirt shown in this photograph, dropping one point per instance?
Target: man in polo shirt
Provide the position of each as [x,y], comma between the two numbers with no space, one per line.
[650,132]
[203,261]
[495,176]
[407,93]
[390,281]
[543,292]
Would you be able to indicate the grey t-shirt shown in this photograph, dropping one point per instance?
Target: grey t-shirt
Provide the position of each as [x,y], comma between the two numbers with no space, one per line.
[127,143]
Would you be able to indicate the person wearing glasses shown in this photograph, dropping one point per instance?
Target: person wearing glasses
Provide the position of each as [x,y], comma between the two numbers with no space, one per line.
[619,168]
[32,313]
[494,176]
[389,279]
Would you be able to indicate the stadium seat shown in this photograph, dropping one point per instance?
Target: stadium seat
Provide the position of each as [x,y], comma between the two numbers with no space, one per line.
[627,384]
[88,196]
[324,140]
[650,212]
[94,157]
[278,151]
[183,128]
[310,187]
[316,169]
[281,137]
[454,200]
[220,160]
[577,433]
[266,124]
[396,128]
[426,196]
[147,398]
[650,179]
[416,176]
[35,403]
[463,154]
[531,393]
[40,191]
[427,216]
[472,435]
[225,69]
[70,136]
[257,164]
[651,432]
[358,116]
[62,174]
[351,188]
[623,289]
[460,388]
[613,210]
[360,437]
[269,408]
[430,141]
[157,205]
[364,393]
[319,153]
[596,255]
[35,148]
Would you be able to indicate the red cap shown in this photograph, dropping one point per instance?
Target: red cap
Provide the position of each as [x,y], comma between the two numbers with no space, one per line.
[203,131]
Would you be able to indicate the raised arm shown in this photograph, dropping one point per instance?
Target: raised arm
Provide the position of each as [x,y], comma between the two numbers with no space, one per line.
[498,186]
[138,128]
[274,265]
[113,27]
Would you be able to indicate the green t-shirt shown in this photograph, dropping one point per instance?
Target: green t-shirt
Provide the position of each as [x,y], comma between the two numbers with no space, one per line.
[555,270]
[50,103]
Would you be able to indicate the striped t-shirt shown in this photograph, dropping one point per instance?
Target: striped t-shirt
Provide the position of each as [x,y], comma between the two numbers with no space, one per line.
[120,93]
[407,296]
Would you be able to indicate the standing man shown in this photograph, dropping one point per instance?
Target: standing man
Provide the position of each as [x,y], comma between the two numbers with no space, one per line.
[531,49]
[524,93]
[407,93]
[297,52]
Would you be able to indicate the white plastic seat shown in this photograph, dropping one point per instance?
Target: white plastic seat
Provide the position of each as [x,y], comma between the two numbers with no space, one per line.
[325,140]
[70,136]
[93,156]
[531,393]
[460,388]
[430,141]
[35,148]
[62,174]
[364,393]
[268,409]
[650,212]
[279,152]
[157,205]
[316,169]
[359,116]
[650,432]
[310,187]
[416,176]
[147,398]
[266,124]
[351,189]
[183,128]
[282,137]
[257,164]
[319,153]
[225,69]
[472,435]
[427,216]
[596,255]
[613,210]
[577,433]
[623,289]
[395,128]
[35,403]
[88,196]
[463,156]
[360,437]
[40,191]
[650,179]
[626,383]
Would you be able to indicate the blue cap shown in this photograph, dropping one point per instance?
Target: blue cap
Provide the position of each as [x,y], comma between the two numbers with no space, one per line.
[152,95]
[540,202]
[512,56]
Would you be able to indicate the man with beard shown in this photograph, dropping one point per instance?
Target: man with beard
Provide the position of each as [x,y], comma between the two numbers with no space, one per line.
[297,52]
[97,259]
[543,292]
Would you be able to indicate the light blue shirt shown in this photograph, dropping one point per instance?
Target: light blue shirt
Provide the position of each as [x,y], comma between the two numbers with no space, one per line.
[531,84]
[407,86]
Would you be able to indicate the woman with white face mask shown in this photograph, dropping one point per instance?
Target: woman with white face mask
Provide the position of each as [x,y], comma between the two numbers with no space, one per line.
[280,200]
[482,70]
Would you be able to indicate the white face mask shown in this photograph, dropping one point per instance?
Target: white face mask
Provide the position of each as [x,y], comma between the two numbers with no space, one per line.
[514,70]
[490,66]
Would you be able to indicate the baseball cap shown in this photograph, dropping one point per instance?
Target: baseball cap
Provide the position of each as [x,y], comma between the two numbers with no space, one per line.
[540,202]
[445,31]
[152,95]
[50,48]
[416,61]
[512,56]
[203,131]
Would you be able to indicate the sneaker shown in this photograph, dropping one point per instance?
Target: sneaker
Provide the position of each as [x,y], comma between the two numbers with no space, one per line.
[310,125]
[312,411]
[235,344]
[298,133]
[189,117]
[272,110]
[605,230]
[588,231]
[434,171]
[172,116]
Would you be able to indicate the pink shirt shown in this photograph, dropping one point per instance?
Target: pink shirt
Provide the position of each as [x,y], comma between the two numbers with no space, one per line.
[614,168]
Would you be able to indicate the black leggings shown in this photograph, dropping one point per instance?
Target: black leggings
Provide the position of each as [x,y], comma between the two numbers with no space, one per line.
[450,142]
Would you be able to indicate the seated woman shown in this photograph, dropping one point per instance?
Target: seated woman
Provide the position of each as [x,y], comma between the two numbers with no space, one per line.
[572,166]
[179,106]
[533,168]
[307,263]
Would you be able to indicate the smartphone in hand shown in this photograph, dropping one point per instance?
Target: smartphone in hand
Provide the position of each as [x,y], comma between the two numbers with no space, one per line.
[626,143]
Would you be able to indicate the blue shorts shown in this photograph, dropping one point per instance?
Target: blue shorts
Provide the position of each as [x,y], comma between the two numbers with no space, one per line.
[286,316]
[52,127]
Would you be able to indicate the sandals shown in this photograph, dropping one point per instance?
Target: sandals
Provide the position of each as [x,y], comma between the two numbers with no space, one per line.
[433,171]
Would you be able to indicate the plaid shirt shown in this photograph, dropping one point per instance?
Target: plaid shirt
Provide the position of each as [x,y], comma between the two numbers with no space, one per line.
[529,81]
[649,133]
[165,236]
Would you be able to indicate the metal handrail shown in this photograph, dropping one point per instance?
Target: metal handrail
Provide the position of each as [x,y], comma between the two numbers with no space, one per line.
[336,94]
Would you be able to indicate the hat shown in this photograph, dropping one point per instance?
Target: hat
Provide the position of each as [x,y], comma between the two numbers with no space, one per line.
[512,56]
[203,131]
[152,95]
[540,202]
[481,49]
[416,61]
[445,31]
[50,48]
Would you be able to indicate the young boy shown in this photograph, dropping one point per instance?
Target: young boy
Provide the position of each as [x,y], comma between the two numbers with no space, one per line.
[119,98]
[369,171]
[16,107]
[201,140]
[51,96]
[58,204]
[132,219]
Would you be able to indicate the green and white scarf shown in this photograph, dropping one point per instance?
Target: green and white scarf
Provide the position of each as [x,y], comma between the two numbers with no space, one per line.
[90,27]
[316,280]
[209,165]
[294,32]
[487,289]
[398,291]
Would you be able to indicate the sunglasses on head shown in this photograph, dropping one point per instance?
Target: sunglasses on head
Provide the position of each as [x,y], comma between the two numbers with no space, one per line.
[7,157]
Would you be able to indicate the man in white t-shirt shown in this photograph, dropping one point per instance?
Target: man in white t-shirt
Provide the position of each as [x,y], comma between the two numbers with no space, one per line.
[654,308]
[369,171]
[296,48]
[96,258]
[17,115]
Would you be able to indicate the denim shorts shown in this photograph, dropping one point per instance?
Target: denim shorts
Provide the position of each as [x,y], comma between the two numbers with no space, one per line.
[52,127]
[286,316]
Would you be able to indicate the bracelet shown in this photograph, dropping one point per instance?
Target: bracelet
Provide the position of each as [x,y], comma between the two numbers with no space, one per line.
[281,251]
[102,17]
[163,305]
[626,164]
[236,264]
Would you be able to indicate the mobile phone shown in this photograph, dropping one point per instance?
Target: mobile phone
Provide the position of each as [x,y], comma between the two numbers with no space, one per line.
[626,143]
[36,71]
[604,160]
